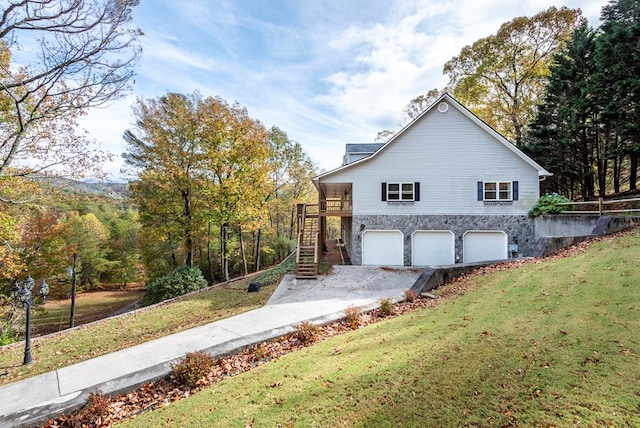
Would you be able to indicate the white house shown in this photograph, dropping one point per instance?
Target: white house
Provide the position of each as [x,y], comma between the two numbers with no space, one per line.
[447,188]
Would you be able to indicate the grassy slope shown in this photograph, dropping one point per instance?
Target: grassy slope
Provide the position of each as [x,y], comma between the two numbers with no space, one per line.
[548,344]
[70,347]
[53,316]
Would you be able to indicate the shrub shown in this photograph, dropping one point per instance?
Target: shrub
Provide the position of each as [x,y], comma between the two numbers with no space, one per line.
[548,204]
[307,333]
[182,280]
[97,408]
[352,316]
[260,352]
[386,307]
[410,295]
[194,367]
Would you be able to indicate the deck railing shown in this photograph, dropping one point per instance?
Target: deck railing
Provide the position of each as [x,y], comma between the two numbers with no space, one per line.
[311,209]
[335,206]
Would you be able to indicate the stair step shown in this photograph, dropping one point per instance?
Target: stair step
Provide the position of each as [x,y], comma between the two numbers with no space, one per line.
[308,249]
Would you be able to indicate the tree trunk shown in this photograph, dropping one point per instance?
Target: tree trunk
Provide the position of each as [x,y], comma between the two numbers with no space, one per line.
[256,257]
[186,199]
[633,170]
[209,263]
[602,162]
[587,177]
[292,222]
[617,166]
[188,259]
[244,256]
[223,252]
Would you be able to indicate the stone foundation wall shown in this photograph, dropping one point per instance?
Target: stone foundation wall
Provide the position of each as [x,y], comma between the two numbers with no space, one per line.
[519,229]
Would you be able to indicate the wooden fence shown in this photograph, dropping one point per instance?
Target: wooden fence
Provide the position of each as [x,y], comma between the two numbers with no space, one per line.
[613,206]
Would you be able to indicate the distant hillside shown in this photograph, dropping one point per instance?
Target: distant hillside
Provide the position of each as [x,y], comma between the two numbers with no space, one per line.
[109,190]
[112,190]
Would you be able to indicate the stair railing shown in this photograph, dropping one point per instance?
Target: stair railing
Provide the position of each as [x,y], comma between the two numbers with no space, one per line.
[316,250]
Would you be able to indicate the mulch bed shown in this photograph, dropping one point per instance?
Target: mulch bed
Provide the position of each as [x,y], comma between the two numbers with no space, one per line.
[105,410]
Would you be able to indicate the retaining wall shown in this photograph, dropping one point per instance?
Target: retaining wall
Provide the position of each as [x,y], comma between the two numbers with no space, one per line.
[555,232]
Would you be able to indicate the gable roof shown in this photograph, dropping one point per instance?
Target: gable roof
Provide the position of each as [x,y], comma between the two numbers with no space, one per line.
[466,112]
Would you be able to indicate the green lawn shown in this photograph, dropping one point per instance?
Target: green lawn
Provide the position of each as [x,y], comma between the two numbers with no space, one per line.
[110,335]
[555,343]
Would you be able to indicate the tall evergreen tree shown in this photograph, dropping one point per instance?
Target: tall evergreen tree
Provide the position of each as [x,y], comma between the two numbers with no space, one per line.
[618,59]
[563,135]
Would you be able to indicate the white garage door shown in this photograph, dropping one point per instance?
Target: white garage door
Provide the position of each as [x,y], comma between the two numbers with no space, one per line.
[483,245]
[382,248]
[432,248]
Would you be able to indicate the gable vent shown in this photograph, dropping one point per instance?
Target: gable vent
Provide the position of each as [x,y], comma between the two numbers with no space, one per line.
[443,107]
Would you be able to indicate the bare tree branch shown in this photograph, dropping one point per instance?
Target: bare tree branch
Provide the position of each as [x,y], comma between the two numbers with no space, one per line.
[85,53]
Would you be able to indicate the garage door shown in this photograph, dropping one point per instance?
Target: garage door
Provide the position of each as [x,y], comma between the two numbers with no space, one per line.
[382,248]
[481,245]
[432,248]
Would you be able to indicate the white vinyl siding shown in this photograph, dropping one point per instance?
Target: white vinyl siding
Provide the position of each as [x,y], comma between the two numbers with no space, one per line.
[448,154]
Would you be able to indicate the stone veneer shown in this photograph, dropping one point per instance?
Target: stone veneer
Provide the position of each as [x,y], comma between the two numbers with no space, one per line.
[519,230]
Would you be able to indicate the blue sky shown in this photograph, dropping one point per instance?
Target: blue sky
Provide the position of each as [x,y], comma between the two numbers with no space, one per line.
[327,72]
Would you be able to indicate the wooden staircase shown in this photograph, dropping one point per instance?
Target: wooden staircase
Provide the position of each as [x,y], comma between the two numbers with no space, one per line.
[308,245]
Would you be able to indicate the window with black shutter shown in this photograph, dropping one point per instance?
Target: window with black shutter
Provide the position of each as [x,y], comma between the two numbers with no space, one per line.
[400,192]
[497,191]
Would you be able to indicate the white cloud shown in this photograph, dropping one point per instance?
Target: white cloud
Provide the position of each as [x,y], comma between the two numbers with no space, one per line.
[392,63]
[327,73]
[402,55]
[158,50]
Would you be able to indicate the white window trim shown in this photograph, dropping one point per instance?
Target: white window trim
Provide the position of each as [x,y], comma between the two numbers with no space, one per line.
[399,192]
[497,198]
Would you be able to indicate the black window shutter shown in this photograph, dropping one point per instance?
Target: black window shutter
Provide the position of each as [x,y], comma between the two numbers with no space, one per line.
[384,191]
[514,188]
[480,191]
[416,191]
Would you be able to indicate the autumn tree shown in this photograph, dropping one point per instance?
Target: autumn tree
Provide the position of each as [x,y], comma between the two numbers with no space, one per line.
[167,150]
[32,240]
[202,166]
[9,252]
[123,227]
[45,252]
[501,78]
[83,56]
[236,177]
[88,238]
[290,175]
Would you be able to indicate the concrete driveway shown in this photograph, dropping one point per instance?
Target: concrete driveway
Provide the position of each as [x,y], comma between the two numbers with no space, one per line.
[321,300]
